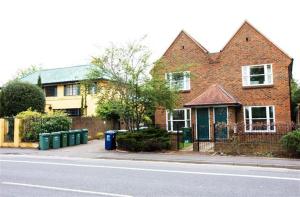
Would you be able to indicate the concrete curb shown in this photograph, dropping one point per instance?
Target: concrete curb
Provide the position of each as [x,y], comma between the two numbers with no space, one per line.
[293,167]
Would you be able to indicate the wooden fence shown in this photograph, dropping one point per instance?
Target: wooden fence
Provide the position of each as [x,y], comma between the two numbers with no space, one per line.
[94,125]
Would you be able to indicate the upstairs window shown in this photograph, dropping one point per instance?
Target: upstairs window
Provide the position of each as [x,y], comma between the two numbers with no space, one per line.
[93,88]
[259,118]
[50,91]
[256,75]
[72,90]
[179,80]
[178,118]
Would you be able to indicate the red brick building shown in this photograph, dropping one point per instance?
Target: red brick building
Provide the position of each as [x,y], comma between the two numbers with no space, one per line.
[247,82]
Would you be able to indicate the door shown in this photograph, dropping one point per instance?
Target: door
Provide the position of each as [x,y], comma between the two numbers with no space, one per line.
[220,122]
[203,124]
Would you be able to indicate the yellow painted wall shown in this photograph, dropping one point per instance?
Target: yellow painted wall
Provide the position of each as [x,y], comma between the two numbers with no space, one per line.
[69,102]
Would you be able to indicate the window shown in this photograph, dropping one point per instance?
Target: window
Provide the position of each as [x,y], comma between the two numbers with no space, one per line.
[93,88]
[70,112]
[257,75]
[180,80]
[71,90]
[259,118]
[178,118]
[51,91]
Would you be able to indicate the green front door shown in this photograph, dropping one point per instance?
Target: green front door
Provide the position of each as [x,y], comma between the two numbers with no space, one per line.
[220,122]
[203,123]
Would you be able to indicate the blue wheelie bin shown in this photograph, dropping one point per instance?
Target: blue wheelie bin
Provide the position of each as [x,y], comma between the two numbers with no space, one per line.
[110,140]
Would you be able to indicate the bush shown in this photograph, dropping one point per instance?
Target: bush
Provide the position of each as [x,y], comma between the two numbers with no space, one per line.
[35,123]
[291,142]
[144,140]
[18,96]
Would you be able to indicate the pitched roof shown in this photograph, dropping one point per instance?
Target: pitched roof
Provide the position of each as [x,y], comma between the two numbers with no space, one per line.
[59,75]
[214,95]
[264,37]
[204,50]
[215,56]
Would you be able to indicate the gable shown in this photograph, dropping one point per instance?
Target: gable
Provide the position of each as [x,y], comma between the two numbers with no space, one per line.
[185,50]
[249,43]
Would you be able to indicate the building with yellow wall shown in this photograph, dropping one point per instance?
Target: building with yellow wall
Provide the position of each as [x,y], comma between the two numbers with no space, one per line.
[64,91]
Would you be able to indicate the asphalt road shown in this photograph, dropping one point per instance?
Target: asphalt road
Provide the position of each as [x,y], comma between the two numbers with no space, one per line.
[52,176]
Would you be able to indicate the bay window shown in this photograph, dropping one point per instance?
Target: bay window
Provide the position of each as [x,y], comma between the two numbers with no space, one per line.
[179,80]
[259,118]
[256,75]
[178,118]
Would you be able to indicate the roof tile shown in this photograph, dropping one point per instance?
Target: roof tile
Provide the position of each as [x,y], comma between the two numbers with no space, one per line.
[214,95]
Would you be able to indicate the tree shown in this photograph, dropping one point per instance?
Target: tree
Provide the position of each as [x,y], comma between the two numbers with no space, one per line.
[295,97]
[130,92]
[39,82]
[27,71]
[19,96]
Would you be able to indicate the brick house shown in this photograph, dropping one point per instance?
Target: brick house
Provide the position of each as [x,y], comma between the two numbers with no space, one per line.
[247,83]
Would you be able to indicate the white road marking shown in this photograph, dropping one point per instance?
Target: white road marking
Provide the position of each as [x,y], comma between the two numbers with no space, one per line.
[257,168]
[154,170]
[65,189]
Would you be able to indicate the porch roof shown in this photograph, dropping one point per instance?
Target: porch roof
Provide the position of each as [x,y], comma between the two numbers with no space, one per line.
[214,95]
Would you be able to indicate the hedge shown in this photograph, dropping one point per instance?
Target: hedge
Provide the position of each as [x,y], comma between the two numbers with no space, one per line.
[144,140]
[291,142]
[35,123]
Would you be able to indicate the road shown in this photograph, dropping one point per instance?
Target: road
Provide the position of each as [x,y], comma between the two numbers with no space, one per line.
[57,176]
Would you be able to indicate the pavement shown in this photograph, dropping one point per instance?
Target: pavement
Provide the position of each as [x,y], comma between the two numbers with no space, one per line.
[95,150]
[35,176]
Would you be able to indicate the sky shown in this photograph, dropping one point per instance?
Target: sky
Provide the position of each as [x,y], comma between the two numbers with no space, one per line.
[60,33]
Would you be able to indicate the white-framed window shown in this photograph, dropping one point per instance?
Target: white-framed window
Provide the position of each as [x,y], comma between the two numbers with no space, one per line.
[259,118]
[72,90]
[179,80]
[178,118]
[256,75]
[93,88]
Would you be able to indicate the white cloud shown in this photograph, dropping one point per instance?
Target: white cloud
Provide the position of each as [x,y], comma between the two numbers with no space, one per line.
[59,33]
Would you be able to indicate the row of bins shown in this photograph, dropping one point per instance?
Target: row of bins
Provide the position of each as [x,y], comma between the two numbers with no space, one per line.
[62,139]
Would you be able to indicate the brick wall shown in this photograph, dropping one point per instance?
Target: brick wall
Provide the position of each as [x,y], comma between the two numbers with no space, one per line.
[247,47]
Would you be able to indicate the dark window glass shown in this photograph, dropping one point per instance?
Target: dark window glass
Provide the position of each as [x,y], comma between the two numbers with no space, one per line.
[271,112]
[93,88]
[259,124]
[178,115]
[51,91]
[72,112]
[71,90]
[257,70]
[178,125]
[259,112]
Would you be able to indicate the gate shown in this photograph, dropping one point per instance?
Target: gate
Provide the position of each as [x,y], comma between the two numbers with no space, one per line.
[10,126]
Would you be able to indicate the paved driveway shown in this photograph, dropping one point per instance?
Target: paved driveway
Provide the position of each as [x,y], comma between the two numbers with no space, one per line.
[91,149]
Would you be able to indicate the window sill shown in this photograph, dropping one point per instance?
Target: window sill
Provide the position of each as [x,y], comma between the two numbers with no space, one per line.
[260,131]
[184,91]
[258,86]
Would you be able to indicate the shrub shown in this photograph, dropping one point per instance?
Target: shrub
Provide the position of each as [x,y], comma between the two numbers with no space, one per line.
[18,96]
[35,123]
[291,142]
[144,140]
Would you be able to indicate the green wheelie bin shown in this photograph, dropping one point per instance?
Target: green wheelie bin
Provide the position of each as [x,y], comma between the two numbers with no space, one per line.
[77,136]
[71,138]
[44,141]
[55,140]
[84,136]
[64,138]
[187,134]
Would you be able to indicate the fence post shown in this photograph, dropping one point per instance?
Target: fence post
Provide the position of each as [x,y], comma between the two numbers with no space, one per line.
[17,140]
[178,139]
[2,128]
